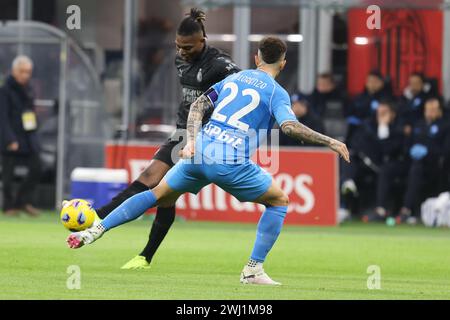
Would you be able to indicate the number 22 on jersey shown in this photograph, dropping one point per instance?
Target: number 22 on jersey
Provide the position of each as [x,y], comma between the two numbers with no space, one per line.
[234,119]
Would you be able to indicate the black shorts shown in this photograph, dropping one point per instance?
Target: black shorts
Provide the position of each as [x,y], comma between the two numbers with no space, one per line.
[168,151]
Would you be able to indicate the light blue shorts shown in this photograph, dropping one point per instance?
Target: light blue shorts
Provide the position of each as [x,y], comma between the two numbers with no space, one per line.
[245,181]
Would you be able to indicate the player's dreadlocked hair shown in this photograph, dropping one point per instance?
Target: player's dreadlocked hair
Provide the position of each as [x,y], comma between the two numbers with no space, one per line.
[192,23]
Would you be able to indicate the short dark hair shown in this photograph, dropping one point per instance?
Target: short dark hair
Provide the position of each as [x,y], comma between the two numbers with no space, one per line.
[438,99]
[391,104]
[376,73]
[326,75]
[272,49]
[419,75]
[193,23]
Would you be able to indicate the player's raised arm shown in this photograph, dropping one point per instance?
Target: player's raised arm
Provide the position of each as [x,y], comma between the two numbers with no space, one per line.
[194,123]
[299,131]
[281,110]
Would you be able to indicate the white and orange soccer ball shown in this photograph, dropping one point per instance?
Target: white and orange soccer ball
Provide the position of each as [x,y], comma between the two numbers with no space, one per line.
[77,215]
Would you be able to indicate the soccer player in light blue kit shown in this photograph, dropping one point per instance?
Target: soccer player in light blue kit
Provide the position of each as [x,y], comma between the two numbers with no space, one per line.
[244,104]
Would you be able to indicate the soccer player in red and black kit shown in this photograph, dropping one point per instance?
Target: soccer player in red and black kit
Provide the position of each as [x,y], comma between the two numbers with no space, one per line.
[199,67]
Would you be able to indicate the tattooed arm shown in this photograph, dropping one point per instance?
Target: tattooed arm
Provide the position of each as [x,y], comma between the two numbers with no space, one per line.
[194,123]
[301,132]
[196,114]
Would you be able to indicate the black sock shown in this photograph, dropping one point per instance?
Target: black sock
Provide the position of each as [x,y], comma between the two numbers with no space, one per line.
[134,188]
[163,220]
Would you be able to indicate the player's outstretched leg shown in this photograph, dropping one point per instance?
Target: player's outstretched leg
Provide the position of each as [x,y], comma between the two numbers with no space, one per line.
[148,179]
[164,217]
[269,227]
[129,210]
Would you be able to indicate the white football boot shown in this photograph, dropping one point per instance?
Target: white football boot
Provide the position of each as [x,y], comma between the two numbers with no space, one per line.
[256,275]
[78,239]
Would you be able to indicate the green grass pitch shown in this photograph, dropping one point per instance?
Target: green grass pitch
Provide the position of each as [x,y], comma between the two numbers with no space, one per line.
[201,260]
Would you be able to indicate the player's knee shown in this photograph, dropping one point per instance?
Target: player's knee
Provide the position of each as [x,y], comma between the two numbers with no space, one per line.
[283,199]
[280,200]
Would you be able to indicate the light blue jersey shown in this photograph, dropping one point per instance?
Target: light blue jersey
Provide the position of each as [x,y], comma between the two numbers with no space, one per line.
[246,105]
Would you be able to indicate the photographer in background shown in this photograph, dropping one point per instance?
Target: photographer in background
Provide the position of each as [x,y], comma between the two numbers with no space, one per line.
[19,143]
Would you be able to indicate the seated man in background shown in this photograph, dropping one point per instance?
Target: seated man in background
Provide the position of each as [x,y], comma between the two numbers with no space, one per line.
[329,103]
[426,151]
[413,101]
[365,104]
[324,92]
[386,137]
[302,112]
[377,151]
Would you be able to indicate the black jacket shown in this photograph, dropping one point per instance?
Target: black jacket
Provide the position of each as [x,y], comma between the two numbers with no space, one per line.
[319,103]
[367,143]
[432,135]
[411,110]
[364,105]
[363,108]
[14,101]
[196,77]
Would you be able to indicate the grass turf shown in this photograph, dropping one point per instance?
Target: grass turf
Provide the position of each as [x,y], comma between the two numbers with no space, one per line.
[201,260]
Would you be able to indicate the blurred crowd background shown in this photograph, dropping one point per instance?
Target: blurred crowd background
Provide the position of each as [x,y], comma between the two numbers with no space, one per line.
[395,122]
[399,145]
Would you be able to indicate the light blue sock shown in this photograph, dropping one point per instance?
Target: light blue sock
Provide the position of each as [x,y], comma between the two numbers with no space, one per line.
[130,209]
[268,229]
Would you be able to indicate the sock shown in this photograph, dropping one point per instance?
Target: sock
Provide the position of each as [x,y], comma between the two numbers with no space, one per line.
[130,209]
[253,263]
[268,229]
[134,188]
[163,221]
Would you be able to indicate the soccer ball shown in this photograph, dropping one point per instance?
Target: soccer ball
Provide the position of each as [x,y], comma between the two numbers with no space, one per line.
[77,215]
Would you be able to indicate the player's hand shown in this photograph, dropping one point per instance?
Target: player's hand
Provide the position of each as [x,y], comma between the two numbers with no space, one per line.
[188,150]
[340,148]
